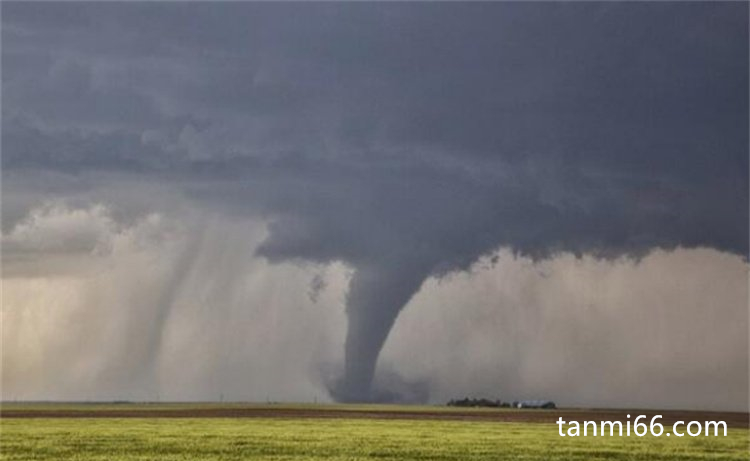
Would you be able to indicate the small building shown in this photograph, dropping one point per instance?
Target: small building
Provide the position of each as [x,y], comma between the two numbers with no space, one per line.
[544,404]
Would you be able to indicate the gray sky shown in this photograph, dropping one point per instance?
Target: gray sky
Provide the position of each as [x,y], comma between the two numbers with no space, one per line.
[169,167]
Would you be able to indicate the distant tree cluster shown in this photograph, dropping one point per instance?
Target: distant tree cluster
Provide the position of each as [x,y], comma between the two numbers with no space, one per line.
[470,402]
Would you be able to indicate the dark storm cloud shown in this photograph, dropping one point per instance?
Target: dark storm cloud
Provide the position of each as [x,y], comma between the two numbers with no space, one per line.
[404,139]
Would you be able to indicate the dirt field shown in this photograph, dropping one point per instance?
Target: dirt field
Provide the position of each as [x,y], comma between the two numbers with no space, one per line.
[733,419]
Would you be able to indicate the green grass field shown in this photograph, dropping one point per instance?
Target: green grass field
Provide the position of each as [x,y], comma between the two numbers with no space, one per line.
[336,439]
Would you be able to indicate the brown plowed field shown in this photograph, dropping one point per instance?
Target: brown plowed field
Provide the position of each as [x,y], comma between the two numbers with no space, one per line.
[733,419]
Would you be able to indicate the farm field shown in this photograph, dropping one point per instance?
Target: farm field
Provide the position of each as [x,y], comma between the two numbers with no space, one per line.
[336,432]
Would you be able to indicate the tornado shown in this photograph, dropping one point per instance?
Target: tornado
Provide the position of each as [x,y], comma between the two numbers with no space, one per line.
[377,294]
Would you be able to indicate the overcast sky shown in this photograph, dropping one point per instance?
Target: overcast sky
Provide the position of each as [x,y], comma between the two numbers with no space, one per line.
[255,199]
